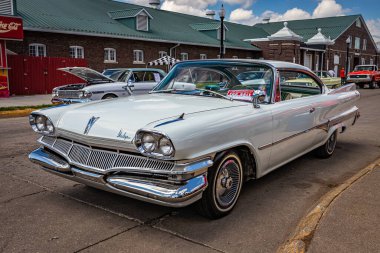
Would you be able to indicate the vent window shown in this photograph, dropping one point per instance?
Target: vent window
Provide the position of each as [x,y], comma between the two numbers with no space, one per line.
[142,22]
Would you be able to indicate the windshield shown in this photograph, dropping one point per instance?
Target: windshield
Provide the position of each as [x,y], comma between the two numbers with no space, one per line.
[118,74]
[109,72]
[220,79]
[361,68]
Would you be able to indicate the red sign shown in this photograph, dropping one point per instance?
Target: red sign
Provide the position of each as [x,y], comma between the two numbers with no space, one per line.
[245,95]
[11,28]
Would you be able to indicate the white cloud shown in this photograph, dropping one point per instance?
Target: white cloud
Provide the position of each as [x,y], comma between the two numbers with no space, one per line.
[328,8]
[193,7]
[243,16]
[243,3]
[374,28]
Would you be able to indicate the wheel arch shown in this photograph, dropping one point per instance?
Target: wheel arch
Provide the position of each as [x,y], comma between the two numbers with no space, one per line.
[109,94]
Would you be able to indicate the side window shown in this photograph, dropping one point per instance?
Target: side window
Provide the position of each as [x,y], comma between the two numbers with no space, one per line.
[138,76]
[294,84]
[149,77]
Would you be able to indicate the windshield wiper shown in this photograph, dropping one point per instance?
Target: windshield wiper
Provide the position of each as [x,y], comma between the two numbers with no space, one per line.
[216,93]
[181,90]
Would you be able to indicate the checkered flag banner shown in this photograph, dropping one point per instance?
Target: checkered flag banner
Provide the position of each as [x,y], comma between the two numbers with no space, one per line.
[166,60]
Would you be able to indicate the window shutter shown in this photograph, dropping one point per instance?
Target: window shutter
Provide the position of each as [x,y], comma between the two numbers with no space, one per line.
[6,7]
[142,23]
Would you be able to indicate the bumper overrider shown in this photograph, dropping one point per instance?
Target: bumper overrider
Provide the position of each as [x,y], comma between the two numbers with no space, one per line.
[180,186]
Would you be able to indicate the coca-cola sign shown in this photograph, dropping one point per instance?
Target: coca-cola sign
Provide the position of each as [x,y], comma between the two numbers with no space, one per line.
[11,28]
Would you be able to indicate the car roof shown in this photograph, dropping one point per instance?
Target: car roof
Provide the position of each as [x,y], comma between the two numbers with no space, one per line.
[272,63]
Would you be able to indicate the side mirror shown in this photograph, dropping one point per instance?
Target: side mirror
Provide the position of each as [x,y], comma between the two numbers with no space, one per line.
[257,94]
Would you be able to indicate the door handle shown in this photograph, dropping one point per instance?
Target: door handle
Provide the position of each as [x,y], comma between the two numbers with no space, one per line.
[312,110]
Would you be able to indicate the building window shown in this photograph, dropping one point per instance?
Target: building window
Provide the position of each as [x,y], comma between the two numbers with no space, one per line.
[363,61]
[371,61]
[162,54]
[364,44]
[234,57]
[350,41]
[142,22]
[138,56]
[37,50]
[184,56]
[218,56]
[76,52]
[109,55]
[203,56]
[358,23]
[357,43]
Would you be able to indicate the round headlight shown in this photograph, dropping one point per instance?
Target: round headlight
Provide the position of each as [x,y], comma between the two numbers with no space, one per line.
[148,143]
[40,123]
[165,146]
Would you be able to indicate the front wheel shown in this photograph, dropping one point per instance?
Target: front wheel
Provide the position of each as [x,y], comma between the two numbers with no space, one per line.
[327,149]
[225,181]
[372,85]
[109,96]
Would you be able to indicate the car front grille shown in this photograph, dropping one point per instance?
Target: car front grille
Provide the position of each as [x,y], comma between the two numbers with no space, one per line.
[358,76]
[70,93]
[102,160]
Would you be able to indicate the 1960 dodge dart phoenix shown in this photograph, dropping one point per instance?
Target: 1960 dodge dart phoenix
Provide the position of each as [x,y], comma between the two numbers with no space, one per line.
[198,136]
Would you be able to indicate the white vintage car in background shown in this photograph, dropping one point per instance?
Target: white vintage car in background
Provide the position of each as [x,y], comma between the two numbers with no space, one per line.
[184,143]
[97,86]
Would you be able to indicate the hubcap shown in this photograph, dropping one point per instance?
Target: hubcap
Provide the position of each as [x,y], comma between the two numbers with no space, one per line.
[227,183]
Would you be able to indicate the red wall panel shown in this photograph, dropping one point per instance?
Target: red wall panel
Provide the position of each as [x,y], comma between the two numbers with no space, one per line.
[39,75]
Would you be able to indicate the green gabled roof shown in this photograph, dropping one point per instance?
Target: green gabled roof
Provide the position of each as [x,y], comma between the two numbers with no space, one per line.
[331,27]
[129,13]
[206,26]
[91,17]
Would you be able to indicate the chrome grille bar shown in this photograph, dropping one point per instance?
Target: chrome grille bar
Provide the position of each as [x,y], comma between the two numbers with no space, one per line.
[102,160]
[69,93]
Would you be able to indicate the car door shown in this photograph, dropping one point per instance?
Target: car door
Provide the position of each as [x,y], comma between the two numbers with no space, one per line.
[294,117]
[140,86]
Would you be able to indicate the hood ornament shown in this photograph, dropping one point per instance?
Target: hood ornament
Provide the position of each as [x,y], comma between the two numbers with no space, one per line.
[90,123]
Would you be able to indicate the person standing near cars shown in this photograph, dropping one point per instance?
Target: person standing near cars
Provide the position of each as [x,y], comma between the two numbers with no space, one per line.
[343,76]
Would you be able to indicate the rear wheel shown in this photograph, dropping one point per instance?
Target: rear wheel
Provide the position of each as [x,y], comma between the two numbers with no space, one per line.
[225,181]
[109,96]
[327,149]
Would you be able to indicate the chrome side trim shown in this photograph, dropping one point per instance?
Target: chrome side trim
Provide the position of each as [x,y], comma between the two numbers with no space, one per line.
[325,126]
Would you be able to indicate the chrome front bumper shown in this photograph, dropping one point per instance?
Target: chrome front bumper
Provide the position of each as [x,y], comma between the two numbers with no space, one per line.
[56,100]
[359,80]
[148,189]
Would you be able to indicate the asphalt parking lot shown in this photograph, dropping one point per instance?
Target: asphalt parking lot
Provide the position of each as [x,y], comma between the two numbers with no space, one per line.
[41,212]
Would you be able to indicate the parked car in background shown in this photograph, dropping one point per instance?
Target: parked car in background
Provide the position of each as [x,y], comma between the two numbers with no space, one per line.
[183,143]
[140,80]
[365,74]
[97,86]
[304,80]
[330,81]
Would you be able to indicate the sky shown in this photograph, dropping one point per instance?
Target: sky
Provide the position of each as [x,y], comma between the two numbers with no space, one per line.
[250,12]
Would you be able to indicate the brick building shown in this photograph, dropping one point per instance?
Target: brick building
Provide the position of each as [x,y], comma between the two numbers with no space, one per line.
[320,44]
[111,34]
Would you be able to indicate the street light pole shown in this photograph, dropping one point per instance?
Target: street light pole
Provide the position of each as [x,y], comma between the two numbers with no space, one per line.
[348,42]
[222,14]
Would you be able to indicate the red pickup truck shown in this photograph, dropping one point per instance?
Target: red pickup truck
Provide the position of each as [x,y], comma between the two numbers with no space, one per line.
[365,74]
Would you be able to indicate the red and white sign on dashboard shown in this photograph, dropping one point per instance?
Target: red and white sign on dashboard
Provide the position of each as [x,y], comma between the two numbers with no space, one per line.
[245,95]
[11,28]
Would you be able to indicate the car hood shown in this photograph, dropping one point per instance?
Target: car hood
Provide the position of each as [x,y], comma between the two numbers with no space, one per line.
[86,74]
[120,118]
[363,72]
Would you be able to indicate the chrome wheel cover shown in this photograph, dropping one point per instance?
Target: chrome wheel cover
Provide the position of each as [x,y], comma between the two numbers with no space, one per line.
[228,183]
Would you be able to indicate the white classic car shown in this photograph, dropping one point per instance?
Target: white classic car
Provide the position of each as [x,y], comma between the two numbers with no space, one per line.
[97,86]
[184,143]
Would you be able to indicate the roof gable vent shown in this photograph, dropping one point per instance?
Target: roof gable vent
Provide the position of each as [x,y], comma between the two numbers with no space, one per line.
[6,7]
[133,18]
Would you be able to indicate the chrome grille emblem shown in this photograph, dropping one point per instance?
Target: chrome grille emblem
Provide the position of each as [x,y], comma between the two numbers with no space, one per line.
[90,123]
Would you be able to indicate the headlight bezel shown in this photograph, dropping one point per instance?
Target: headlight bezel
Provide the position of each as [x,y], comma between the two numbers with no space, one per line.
[156,152]
[47,127]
